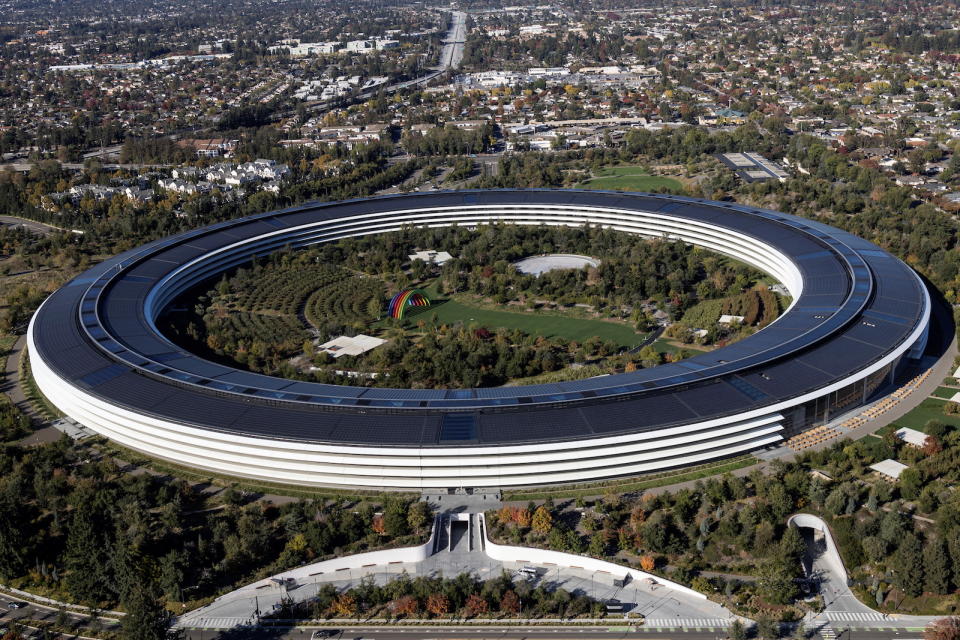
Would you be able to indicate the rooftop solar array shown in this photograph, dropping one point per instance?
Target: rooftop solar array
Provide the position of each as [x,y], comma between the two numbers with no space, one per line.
[858,303]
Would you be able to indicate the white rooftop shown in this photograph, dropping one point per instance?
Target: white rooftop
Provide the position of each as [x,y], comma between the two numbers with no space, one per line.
[890,468]
[347,346]
[912,436]
[727,319]
[428,256]
[536,265]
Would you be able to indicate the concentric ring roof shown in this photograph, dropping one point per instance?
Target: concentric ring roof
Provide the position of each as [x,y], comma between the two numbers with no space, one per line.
[858,303]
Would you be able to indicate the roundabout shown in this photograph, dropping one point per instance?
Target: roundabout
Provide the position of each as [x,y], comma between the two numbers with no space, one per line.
[857,315]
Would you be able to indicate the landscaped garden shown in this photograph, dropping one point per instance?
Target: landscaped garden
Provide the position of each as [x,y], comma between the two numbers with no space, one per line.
[474,321]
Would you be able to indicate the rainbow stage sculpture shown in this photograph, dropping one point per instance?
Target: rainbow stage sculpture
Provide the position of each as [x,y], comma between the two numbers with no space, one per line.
[407,298]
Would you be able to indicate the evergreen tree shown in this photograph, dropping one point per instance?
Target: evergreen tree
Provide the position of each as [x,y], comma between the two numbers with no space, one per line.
[147,618]
[85,557]
[936,563]
[908,566]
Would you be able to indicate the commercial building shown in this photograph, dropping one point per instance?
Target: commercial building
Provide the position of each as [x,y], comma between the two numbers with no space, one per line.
[857,315]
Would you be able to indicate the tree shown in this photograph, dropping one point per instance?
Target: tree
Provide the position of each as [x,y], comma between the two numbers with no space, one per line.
[647,563]
[598,545]
[737,631]
[344,605]
[936,564]
[476,605]
[542,521]
[776,581]
[147,618]
[405,606]
[395,517]
[85,557]
[418,515]
[908,566]
[510,603]
[438,604]
[943,629]
[767,629]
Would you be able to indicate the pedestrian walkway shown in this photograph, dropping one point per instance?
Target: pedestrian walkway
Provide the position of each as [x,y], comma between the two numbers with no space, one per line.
[688,623]
[458,545]
[851,616]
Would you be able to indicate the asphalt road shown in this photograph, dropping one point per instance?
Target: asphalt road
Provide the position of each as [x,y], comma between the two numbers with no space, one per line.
[29,225]
[512,633]
[81,624]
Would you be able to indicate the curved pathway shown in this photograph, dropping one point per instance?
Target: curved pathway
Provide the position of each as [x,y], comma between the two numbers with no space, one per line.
[840,606]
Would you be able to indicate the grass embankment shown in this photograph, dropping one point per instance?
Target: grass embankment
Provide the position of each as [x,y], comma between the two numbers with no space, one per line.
[30,389]
[198,476]
[637,483]
[630,178]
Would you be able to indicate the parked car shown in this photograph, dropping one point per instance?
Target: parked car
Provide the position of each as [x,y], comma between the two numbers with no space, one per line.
[13,604]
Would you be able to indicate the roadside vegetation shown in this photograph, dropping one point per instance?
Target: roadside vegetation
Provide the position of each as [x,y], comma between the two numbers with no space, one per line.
[727,537]
[76,527]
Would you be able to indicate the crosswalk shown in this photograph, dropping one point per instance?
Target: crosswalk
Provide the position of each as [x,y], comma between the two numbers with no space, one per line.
[851,616]
[687,623]
[215,623]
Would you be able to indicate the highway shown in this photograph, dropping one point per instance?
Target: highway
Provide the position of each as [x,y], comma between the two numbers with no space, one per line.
[450,57]
[452,52]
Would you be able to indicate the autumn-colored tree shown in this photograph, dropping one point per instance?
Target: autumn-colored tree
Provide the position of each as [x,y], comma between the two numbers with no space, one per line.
[932,446]
[344,605]
[505,515]
[405,606]
[510,603]
[378,526]
[943,629]
[476,605]
[521,517]
[637,517]
[647,563]
[438,604]
[542,520]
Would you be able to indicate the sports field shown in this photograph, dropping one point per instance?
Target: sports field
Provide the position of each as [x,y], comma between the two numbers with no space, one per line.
[540,324]
[630,179]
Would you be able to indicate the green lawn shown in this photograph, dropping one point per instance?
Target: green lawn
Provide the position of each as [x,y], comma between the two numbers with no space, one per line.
[929,409]
[539,324]
[945,392]
[664,346]
[630,179]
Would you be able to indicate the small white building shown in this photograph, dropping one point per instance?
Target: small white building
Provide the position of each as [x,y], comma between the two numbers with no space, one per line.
[889,469]
[431,257]
[347,346]
[912,437]
[727,319]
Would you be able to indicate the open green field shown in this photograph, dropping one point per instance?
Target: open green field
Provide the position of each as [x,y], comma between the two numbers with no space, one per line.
[630,179]
[539,324]
[929,409]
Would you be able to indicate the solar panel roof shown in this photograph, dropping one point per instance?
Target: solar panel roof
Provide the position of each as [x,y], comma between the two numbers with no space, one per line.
[856,298]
